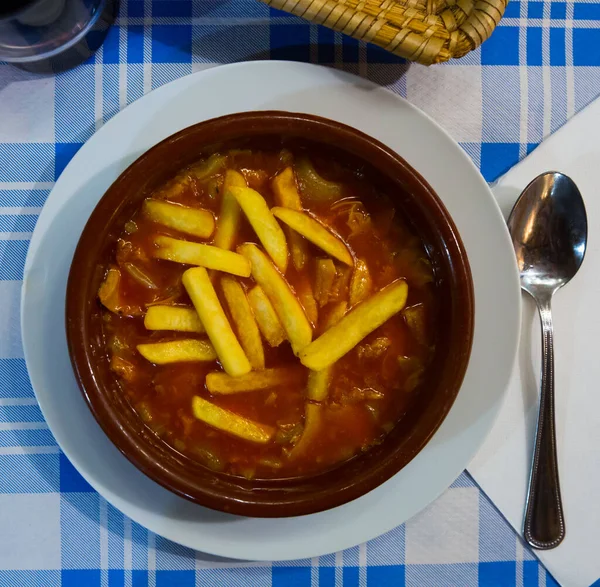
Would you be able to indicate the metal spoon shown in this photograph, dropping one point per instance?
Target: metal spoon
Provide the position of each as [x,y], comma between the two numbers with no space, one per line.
[548,226]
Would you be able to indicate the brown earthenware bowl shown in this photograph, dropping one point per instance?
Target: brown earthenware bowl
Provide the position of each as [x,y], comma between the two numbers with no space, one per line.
[301,495]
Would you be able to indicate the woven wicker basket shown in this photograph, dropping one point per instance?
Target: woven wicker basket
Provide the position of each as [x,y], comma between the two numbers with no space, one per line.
[427,31]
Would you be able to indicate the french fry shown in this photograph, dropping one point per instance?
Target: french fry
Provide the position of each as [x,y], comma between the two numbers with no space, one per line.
[307,299]
[265,315]
[205,300]
[313,417]
[285,190]
[354,326]
[230,214]
[177,351]
[245,322]
[286,304]
[361,284]
[223,384]
[315,232]
[175,318]
[317,386]
[325,274]
[286,195]
[264,224]
[230,422]
[194,221]
[188,253]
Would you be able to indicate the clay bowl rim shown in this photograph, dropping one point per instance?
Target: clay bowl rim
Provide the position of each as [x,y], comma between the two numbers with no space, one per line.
[181,475]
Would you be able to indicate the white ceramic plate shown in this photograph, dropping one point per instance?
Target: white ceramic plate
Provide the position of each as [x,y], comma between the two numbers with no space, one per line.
[301,88]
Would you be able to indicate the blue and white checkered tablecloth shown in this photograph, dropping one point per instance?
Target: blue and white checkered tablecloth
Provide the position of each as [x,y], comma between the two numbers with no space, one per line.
[541,65]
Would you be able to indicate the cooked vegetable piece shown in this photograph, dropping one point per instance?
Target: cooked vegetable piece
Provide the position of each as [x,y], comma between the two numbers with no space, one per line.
[189,253]
[375,349]
[214,164]
[123,368]
[177,351]
[229,217]
[313,417]
[359,221]
[221,383]
[175,318]
[286,195]
[230,422]
[354,326]
[205,300]
[315,232]
[139,275]
[314,187]
[413,368]
[361,284]
[175,187]
[109,294]
[307,299]
[244,320]
[340,287]
[317,386]
[325,274]
[265,315]
[109,290]
[208,458]
[264,224]
[334,314]
[415,319]
[194,221]
[286,304]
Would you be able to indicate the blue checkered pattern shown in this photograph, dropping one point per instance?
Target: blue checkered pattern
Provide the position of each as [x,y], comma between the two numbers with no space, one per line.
[541,65]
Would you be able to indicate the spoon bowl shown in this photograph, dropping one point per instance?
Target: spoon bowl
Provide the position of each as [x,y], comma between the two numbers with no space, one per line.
[548,227]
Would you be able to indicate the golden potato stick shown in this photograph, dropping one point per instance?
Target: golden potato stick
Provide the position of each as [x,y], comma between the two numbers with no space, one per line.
[354,326]
[289,310]
[221,383]
[315,232]
[230,214]
[325,274]
[177,351]
[286,195]
[307,299]
[194,221]
[264,224]
[205,300]
[265,315]
[173,318]
[172,249]
[230,422]
[361,284]
[285,190]
[313,417]
[244,320]
[317,386]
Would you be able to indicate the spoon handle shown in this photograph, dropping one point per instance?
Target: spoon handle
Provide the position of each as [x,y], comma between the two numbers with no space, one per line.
[544,526]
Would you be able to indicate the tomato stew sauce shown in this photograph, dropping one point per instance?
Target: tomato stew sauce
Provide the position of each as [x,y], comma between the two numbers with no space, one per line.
[371,387]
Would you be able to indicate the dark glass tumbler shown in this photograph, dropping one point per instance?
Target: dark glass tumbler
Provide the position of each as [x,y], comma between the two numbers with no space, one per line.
[53,35]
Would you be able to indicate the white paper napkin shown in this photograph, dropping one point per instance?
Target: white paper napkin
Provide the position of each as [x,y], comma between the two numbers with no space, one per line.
[502,465]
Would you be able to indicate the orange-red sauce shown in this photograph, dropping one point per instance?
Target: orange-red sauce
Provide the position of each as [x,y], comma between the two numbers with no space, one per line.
[371,385]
